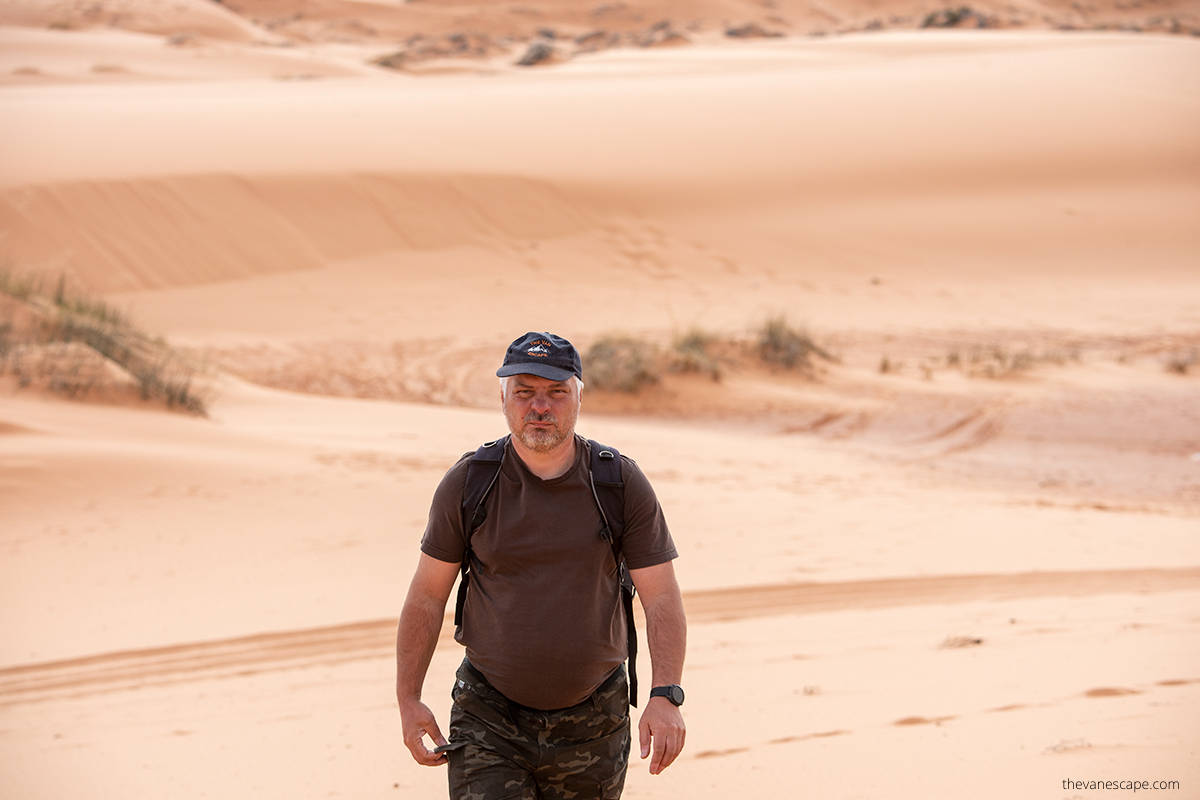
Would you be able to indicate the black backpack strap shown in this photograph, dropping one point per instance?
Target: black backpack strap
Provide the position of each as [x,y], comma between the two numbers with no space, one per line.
[482,473]
[609,491]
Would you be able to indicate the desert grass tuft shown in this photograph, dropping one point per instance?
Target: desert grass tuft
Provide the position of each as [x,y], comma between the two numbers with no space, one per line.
[66,340]
[695,352]
[620,364]
[995,361]
[782,345]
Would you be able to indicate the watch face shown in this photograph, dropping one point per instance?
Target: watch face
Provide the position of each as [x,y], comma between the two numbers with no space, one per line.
[673,693]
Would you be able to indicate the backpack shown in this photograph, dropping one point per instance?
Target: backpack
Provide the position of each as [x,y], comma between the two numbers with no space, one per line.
[604,475]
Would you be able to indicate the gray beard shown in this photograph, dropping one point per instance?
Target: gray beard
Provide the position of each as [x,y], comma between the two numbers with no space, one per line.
[540,441]
[543,441]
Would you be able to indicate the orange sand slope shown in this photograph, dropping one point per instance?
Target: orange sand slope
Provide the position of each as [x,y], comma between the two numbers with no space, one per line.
[912,572]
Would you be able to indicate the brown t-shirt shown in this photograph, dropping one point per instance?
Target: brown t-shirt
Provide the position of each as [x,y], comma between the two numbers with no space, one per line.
[543,620]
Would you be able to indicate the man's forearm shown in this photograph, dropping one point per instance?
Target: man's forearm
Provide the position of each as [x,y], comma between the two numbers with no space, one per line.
[666,632]
[416,638]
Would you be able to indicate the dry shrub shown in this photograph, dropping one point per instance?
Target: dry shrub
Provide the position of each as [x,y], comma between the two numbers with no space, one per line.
[960,17]
[695,351]
[72,344]
[782,345]
[620,364]
[998,362]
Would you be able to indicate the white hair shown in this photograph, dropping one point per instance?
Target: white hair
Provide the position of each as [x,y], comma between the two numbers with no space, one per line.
[504,385]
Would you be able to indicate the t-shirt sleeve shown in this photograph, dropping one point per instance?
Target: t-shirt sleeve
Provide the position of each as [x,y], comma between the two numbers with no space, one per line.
[647,541]
[443,538]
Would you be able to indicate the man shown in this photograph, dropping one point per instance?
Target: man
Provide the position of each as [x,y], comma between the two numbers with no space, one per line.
[541,701]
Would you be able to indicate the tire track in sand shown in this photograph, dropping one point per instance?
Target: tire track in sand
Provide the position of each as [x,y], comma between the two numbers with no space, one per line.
[250,655]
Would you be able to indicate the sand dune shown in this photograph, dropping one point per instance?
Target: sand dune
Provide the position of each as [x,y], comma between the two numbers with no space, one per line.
[954,556]
[228,227]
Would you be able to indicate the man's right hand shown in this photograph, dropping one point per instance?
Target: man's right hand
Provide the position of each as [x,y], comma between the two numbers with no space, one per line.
[416,637]
[418,722]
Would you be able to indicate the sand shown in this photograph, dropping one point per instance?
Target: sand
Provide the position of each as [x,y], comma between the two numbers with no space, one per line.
[957,558]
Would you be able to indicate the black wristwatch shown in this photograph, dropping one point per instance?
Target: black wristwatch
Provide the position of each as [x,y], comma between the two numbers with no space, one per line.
[674,693]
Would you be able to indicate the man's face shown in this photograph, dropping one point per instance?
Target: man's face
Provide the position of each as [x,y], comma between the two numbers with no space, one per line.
[541,413]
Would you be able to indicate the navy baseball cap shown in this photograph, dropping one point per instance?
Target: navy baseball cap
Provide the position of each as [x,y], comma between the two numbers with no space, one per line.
[542,354]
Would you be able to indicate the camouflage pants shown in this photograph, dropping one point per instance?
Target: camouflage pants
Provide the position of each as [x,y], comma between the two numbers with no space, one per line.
[510,752]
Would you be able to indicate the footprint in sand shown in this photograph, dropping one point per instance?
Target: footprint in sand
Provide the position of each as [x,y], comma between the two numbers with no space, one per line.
[717,753]
[1110,691]
[822,735]
[921,721]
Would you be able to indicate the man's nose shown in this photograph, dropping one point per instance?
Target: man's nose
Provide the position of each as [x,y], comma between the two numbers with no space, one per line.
[541,403]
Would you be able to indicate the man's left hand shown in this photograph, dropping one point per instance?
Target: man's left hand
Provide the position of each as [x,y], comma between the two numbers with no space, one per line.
[661,726]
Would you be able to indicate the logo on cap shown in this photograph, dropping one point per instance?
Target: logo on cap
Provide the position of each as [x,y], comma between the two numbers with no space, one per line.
[542,354]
